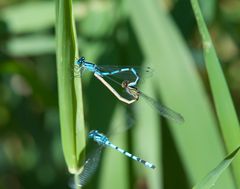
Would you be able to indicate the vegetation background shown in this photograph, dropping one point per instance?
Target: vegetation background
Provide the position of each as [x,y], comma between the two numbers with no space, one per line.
[161,34]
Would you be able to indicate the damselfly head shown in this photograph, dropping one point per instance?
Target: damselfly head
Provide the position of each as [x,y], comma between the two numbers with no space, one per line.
[80,61]
[92,133]
[131,90]
[125,84]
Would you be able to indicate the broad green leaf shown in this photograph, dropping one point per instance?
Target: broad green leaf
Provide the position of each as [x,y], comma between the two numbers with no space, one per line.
[114,163]
[147,140]
[180,88]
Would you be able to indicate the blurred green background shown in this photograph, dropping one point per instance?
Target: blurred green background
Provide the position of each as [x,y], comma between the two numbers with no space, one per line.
[161,34]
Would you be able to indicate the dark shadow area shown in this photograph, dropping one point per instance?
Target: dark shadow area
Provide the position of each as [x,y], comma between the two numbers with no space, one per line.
[172,162]
[183,16]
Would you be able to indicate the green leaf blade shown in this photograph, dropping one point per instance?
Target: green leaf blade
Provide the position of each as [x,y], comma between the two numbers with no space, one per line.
[211,178]
[69,88]
[226,113]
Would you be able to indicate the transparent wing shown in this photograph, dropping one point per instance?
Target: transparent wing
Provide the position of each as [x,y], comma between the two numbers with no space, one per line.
[119,128]
[163,110]
[89,169]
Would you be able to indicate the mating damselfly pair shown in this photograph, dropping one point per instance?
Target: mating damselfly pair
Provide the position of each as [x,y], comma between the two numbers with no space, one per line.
[127,78]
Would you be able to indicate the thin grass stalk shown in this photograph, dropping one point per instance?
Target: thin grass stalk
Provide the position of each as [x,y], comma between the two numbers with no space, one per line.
[226,113]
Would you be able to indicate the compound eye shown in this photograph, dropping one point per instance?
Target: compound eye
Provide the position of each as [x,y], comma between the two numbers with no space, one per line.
[81,60]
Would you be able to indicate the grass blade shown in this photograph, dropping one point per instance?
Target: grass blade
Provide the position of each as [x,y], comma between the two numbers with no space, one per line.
[70,95]
[211,178]
[223,102]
